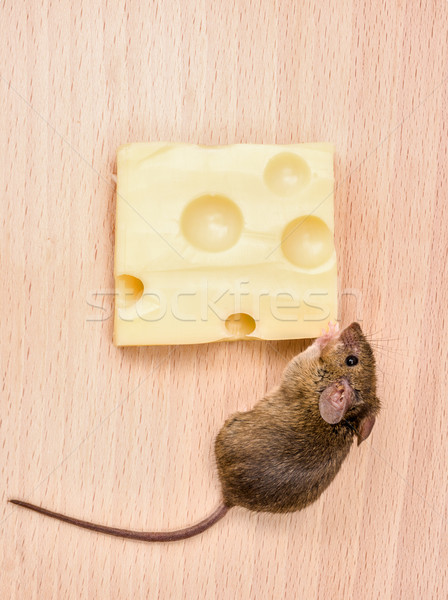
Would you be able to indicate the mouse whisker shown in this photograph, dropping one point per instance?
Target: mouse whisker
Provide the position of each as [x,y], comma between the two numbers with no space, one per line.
[385,349]
[385,339]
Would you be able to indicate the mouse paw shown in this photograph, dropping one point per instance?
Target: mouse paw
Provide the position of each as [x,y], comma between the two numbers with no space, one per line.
[328,334]
[332,332]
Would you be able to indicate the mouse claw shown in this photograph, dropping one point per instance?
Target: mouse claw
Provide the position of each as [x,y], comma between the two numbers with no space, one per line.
[333,327]
[328,334]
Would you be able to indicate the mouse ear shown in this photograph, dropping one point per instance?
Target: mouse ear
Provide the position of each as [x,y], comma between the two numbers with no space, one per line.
[334,402]
[365,428]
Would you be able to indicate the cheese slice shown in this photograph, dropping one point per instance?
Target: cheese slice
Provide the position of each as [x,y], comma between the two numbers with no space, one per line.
[223,243]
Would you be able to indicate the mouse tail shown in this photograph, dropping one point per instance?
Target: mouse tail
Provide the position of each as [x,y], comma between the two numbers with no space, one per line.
[143,536]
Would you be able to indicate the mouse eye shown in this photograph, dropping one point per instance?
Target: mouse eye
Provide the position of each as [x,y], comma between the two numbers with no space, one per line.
[351,360]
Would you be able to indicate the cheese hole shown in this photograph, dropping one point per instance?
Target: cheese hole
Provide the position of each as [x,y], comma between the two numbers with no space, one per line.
[286,174]
[212,223]
[240,325]
[129,290]
[307,242]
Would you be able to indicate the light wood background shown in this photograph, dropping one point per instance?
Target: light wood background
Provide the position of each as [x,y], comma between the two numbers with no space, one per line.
[125,436]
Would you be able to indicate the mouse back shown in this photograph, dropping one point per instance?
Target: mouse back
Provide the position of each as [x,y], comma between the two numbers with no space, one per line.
[281,455]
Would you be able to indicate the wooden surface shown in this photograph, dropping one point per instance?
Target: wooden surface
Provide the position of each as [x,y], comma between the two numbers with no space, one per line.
[124,436]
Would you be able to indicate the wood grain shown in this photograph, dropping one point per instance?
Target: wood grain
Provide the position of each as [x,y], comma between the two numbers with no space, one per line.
[124,436]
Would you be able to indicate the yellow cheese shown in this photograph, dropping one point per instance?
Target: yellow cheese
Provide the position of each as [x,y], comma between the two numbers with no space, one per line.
[223,242]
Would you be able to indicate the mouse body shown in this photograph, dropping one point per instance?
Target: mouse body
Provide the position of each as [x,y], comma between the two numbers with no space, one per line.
[281,455]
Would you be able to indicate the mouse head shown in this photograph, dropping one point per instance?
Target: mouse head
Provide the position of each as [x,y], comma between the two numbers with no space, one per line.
[348,367]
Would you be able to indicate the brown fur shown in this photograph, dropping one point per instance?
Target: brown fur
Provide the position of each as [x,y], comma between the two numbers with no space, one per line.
[281,455]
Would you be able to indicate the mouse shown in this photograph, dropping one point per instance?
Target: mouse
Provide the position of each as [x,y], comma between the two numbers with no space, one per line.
[282,454]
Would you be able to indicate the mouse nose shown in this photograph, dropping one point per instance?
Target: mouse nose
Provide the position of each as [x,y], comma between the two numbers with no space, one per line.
[355,327]
[351,333]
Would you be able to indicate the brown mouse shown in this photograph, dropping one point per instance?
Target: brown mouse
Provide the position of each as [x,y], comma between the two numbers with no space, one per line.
[281,455]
